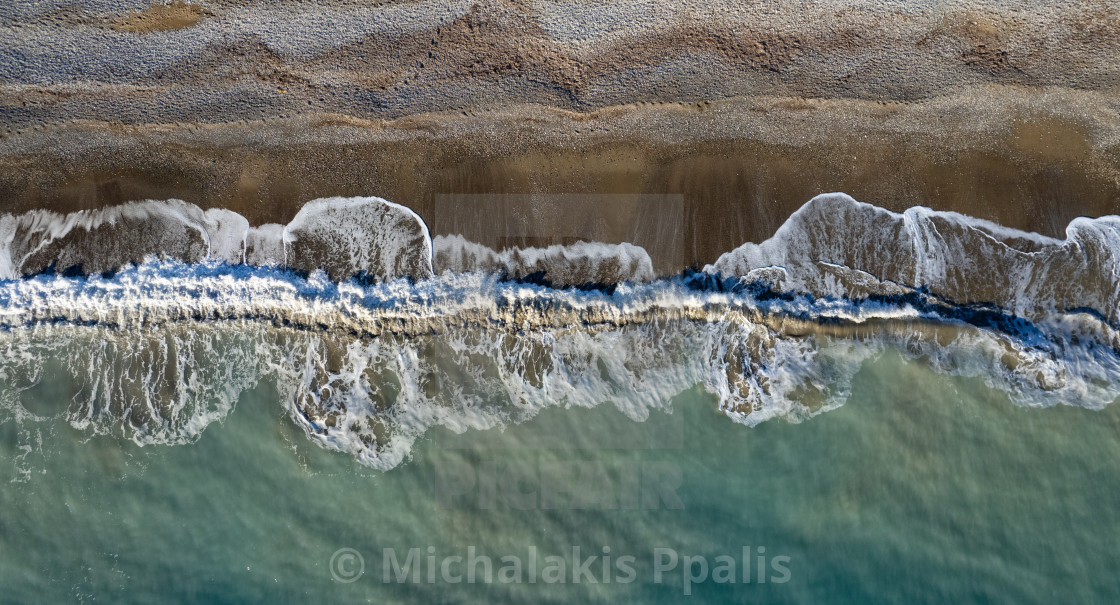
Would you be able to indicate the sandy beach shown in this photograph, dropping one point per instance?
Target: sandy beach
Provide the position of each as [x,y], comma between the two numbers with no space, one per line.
[559,301]
[1032,160]
[744,114]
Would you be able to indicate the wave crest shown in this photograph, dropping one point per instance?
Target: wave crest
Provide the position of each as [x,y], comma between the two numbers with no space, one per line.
[158,350]
[951,256]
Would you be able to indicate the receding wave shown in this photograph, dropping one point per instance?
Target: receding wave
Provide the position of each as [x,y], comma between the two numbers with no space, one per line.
[346,237]
[836,246]
[578,264]
[158,349]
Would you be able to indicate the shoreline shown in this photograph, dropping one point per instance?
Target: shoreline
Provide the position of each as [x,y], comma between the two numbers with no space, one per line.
[1024,158]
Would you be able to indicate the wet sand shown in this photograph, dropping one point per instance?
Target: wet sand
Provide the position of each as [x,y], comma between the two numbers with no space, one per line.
[730,171]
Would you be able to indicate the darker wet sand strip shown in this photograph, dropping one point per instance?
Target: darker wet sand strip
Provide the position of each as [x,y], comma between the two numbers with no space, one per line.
[1031,160]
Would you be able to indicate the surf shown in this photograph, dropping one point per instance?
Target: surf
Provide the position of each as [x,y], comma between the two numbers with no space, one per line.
[371,346]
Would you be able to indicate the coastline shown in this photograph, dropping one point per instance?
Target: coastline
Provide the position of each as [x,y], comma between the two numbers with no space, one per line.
[1024,158]
[742,113]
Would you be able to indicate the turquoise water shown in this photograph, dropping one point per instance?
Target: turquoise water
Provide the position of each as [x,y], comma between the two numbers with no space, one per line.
[921,488]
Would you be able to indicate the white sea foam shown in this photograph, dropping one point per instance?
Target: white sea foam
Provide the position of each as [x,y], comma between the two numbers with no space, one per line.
[344,236]
[362,235]
[575,264]
[264,245]
[107,239]
[162,350]
[961,259]
[8,226]
[226,233]
[159,350]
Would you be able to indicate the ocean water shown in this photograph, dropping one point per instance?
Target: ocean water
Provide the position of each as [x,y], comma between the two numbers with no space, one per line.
[921,487]
[868,407]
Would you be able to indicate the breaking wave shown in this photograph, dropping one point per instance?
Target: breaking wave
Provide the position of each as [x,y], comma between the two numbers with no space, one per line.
[159,349]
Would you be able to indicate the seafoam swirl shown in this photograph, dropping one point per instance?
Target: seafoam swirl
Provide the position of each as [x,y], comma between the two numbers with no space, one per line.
[158,351]
[369,348]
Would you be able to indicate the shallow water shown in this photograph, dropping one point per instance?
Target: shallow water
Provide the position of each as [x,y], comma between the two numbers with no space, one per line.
[922,487]
[811,420]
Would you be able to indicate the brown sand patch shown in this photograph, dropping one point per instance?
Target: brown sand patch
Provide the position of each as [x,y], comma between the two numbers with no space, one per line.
[1051,139]
[503,40]
[450,58]
[161,17]
[982,39]
[1099,23]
